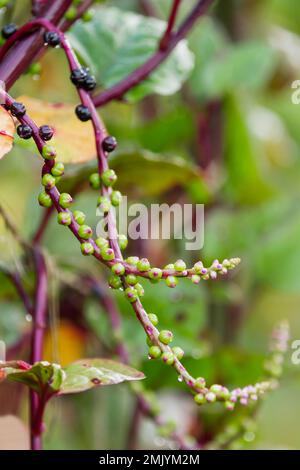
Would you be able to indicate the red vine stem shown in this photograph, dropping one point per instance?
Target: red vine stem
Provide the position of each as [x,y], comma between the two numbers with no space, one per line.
[141,73]
[171,22]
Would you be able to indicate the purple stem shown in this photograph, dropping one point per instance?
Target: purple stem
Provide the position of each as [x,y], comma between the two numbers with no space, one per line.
[141,73]
[171,22]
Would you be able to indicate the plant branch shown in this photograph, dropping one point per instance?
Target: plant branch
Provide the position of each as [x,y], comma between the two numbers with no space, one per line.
[170,25]
[116,92]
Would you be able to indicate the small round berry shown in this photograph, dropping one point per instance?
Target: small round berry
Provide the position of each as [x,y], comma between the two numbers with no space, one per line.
[65,200]
[79,217]
[24,131]
[58,169]
[83,113]
[198,267]
[18,109]
[34,69]
[123,241]
[139,289]
[78,76]
[87,248]
[109,144]
[155,274]
[115,282]
[104,204]
[116,198]
[169,267]
[94,180]
[132,260]
[109,178]
[48,152]
[200,383]
[52,38]
[48,181]
[229,405]
[195,279]
[168,358]
[131,294]
[180,265]
[85,232]
[178,352]
[224,394]
[102,243]
[118,269]
[131,279]
[154,352]
[210,397]
[8,30]
[165,336]
[153,318]
[200,399]
[89,83]
[171,281]
[87,16]
[64,218]
[143,265]
[46,132]
[216,389]
[71,14]
[107,254]
[44,199]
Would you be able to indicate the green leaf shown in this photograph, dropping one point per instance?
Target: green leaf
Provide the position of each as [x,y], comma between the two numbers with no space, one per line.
[115,43]
[88,373]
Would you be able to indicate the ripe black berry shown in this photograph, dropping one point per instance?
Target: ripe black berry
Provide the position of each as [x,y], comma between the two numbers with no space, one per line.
[109,143]
[52,38]
[83,113]
[24,131]
[18,109]
[8,30]
[46,132]
[89,83]
[78,76]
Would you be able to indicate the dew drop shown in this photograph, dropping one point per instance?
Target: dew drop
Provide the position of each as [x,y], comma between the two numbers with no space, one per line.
[180,378]
[149,357]
[28,317]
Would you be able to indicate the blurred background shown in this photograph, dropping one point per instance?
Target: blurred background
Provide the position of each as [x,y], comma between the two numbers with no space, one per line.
[228,139]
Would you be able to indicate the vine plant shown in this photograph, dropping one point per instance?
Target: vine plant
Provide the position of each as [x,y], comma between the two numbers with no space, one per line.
[22,45]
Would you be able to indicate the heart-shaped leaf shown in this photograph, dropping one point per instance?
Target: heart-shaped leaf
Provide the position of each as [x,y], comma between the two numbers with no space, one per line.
[117,42]
[7,129]
[73,140]
[88,373]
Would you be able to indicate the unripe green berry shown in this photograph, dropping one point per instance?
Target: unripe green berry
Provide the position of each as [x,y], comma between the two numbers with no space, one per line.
[71,14]
[178,352]
[155,274]
[171,281]
[94,180]
[87,249]
[168,358]
[85,232]
[58,169]
[79,217]
[154,352]
[132,260]
[104,204]
[153,318]
[224,394]
[195,279]
[179,266]
[216,389]
[165,336]
[131,279]
[118,269]
[198,267]
[131,294]
[200,383]
[229,405]
[87,16]
[115,282]
[65,200]
[44,199]
[139,289]
[64,218]
[48,152]
[143,265]
[107,254]
[210,397]
[200,399]
[116,198]
[169,267]
[109,178]
[48,181]
[102,243]
[123,242]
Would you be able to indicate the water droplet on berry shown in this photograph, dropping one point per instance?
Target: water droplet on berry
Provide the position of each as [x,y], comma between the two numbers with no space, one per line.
[28,317]
[180,378]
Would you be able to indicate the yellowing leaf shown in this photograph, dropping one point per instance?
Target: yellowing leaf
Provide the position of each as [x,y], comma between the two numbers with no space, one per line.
[73,139]
[7,129]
